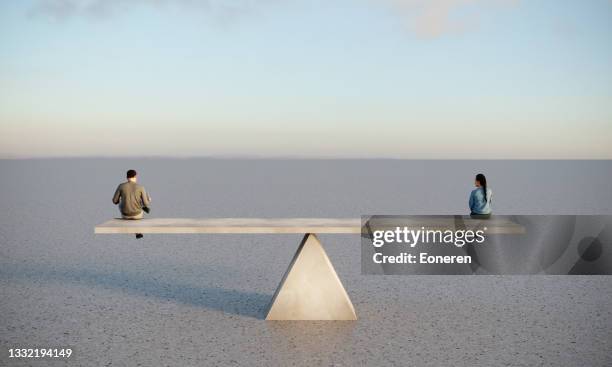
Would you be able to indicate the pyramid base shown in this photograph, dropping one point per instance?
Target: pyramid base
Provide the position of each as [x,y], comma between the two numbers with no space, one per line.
[311,289]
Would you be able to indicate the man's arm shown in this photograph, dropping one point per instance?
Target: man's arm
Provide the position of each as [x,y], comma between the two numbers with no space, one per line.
[146,201]
[117,196]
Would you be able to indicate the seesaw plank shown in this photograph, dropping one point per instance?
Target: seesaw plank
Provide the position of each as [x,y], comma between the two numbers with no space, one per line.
[499,225]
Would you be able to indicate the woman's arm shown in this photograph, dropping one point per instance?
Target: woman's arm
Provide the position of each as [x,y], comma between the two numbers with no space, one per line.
[471,202]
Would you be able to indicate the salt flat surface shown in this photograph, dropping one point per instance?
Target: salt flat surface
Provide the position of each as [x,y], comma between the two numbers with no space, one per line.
[193,300]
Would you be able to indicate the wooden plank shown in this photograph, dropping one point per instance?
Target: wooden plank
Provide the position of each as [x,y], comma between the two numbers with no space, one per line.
[232,225]
[495,225]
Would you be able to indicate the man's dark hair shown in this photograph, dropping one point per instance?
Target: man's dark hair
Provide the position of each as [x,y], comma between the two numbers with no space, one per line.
[131,173]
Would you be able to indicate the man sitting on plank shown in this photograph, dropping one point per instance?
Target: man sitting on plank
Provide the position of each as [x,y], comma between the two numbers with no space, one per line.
[132,199]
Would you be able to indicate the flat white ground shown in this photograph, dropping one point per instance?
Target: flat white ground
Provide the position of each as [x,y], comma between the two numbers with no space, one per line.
[185,300]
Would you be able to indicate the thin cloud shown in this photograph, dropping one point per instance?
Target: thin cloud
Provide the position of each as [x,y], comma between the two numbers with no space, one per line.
[64,9]
[425,18]
[436,18]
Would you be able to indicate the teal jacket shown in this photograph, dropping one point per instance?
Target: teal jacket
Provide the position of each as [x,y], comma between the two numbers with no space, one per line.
[478,205]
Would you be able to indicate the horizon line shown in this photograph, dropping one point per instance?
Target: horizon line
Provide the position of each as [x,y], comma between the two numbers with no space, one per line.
[290,157]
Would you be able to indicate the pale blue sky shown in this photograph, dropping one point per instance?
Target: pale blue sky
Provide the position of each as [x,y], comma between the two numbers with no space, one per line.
[361,78]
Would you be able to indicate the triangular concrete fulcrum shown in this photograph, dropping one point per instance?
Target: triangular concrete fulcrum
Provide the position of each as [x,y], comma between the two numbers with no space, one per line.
[311,289]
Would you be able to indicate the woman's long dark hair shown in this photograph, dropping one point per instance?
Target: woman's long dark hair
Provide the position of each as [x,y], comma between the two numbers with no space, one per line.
[483,183]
